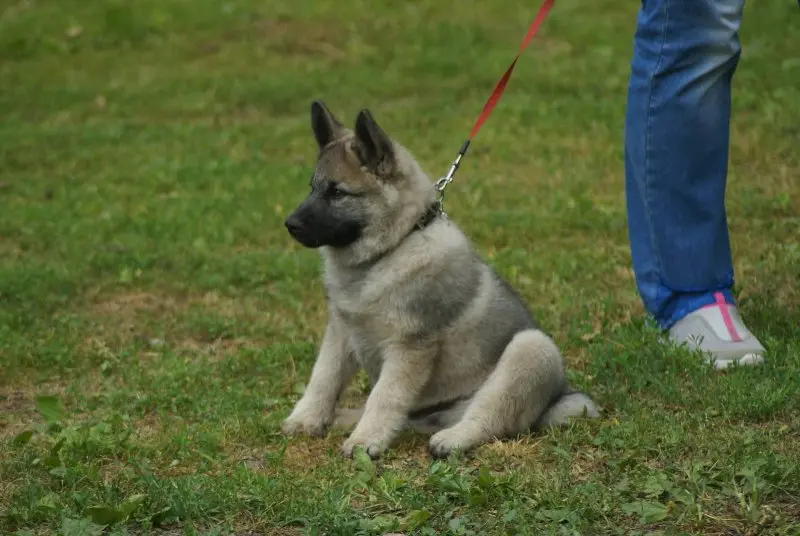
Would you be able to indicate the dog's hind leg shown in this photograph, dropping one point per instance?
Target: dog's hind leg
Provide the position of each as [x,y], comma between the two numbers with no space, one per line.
[347,418]
[527,378]
[439,420]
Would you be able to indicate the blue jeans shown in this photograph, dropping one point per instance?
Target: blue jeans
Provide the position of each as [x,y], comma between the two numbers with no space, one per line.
[676,153]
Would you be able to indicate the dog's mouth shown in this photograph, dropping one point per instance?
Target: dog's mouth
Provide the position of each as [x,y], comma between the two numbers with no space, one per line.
[333,234]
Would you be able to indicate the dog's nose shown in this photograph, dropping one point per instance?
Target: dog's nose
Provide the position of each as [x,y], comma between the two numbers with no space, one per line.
[293,225]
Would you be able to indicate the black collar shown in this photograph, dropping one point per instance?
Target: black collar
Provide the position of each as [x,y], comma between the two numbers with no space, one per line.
[431,214]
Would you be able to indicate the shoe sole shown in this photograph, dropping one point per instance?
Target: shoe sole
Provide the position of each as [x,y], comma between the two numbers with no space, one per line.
[745,360]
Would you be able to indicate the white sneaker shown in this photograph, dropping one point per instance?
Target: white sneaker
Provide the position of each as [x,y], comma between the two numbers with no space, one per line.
[718,331]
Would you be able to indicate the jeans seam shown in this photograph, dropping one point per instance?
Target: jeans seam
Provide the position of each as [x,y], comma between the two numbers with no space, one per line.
[647,167]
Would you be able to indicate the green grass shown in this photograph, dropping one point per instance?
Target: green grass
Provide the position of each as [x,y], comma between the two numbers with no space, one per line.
[157,323]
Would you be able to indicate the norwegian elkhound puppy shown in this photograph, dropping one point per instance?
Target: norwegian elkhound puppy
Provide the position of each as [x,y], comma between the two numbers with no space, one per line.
[448,346]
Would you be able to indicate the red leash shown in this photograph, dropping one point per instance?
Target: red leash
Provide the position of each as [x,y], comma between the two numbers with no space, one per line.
[491,102]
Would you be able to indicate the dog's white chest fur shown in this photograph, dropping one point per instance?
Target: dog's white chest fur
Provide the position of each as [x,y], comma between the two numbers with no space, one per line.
[371,311]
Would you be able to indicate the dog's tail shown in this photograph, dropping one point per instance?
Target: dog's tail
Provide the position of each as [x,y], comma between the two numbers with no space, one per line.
[571,404]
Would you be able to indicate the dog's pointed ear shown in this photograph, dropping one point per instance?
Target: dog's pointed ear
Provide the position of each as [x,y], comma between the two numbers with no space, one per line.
[373,145]
[325,126]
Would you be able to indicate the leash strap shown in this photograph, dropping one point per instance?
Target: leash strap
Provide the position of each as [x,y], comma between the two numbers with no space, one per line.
[501,85]
[494,97]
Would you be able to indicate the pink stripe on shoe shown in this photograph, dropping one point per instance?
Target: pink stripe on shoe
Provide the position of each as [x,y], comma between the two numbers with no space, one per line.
[726,316]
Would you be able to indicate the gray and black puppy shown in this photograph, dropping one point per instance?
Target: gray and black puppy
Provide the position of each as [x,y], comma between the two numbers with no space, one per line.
[448,346]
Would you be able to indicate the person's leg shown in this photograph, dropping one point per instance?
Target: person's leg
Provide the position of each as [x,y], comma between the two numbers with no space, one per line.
[676,159]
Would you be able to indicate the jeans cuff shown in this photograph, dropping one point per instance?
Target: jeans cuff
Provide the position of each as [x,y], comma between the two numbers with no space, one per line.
[684,304]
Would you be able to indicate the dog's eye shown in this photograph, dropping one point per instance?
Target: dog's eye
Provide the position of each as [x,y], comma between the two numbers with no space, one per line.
[335,192]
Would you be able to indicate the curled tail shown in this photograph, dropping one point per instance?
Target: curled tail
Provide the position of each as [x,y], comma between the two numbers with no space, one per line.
[571,404]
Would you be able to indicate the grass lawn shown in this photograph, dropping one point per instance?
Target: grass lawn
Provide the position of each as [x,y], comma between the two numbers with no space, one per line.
[157,323]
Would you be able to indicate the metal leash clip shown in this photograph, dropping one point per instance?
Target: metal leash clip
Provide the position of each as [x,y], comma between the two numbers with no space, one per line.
[442,183]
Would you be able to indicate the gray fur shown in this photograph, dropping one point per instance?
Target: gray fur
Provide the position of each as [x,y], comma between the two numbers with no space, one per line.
[439,301]
[450,348]
[569,405]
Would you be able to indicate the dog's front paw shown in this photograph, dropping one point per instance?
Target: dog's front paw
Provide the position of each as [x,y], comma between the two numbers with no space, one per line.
[455,439]
[305,424]
[374,449]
